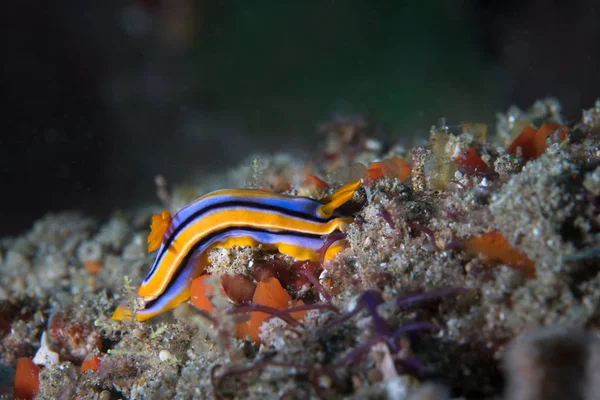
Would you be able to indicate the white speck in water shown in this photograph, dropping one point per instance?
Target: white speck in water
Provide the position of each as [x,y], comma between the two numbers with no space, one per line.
[396,388]
[164,355]
[44,355]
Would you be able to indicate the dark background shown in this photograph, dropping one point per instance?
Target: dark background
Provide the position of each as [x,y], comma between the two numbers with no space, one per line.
[99,96]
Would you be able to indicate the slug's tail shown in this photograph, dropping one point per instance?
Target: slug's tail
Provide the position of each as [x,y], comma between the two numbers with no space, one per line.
[339,197]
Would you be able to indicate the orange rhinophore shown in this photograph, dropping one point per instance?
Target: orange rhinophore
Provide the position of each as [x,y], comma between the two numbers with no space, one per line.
[470,159]
[158,228]
[532,142]
[494,248]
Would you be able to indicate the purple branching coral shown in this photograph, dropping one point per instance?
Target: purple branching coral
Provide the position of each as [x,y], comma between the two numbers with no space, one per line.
[316,374]
[329,240]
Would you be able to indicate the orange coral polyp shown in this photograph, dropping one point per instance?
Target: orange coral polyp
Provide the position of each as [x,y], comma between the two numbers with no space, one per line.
[27,381]
[314,182]
[238,288]
[94,267]
[471,159]
[201,291]
[375,170]
[160,224]
[396,167]
[493,248]
[524,142]
[92,364]
[269,293]
[532,142]
[393,167]
[547,129]
[299,315]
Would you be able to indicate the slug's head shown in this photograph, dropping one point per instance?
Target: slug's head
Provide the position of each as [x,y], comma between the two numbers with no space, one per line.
[151,288]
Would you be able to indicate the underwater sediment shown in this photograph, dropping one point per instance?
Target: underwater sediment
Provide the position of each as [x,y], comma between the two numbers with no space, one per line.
[469,270]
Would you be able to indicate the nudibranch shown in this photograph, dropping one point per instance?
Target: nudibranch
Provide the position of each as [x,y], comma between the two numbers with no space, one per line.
[295,226]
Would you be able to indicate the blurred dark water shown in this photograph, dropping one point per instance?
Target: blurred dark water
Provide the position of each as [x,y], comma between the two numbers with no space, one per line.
[100,96]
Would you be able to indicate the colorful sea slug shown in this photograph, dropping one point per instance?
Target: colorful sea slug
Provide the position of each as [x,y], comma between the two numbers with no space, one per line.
[295,226]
